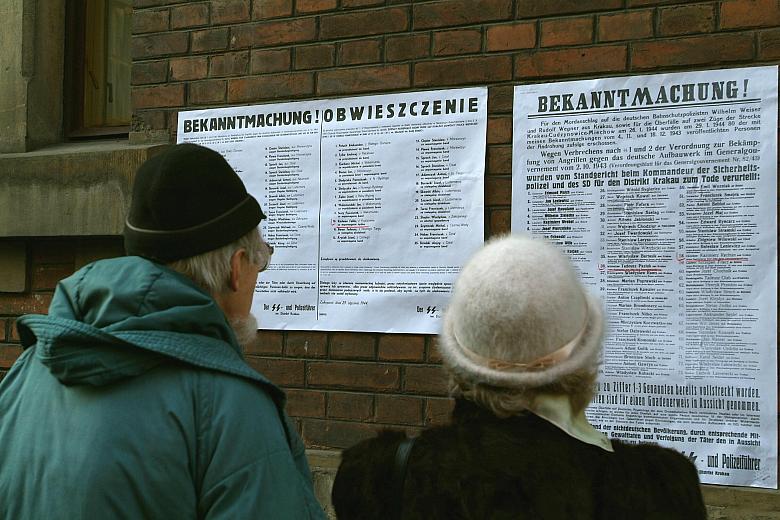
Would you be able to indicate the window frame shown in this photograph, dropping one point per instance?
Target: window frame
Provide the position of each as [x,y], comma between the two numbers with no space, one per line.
[74,72]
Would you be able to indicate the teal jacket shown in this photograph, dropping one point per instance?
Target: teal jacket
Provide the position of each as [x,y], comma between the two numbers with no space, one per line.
[132,400]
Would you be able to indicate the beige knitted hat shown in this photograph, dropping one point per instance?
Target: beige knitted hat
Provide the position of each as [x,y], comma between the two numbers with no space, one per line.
[520,317]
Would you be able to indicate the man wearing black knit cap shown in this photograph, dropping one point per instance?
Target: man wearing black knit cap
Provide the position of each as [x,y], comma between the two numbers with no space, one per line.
[132,398]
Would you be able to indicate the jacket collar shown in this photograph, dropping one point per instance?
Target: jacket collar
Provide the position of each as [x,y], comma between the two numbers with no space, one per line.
[554,409]
[121,317]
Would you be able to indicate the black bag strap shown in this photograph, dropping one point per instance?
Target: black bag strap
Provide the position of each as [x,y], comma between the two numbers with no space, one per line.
[399,471]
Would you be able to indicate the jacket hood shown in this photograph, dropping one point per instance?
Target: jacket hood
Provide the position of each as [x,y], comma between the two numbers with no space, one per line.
[121,317]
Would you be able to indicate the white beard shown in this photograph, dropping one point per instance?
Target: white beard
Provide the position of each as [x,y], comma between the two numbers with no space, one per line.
[245,329]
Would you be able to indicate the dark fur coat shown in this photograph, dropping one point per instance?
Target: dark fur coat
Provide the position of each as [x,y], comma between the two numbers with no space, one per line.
[482,467]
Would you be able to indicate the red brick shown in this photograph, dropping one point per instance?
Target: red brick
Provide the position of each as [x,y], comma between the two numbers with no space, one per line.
[53,252]
[352,345]
[207,92]
[438,411]
[306,344]
[8,355]
[138,4]
[315,6]
[209,40]
[498,191]
[298,423]
[188,68]
[264,34]
[141,4]
[264,61]
[500,99]
[158,96]
[568,62]
[483,69]
[357,407]
[567,31]
[360,52]
[499,130]
[282,372]
[145,120]
[271,9]
[413,431]
[500,222]
[164,44]
[270,87]
[89,250]
[460,12]
[499,160]
[749,13]
[360,3]
[407,47]
[695,50]
[507,37]
[229,11]
[305,403]
[99,248]
[27,303]
[46,277]
[268,342]
[643,3]
[686,19]
[363,79]
[432,350]
[149,72]
[401,347]
[364,23]
[315,56]
[13,332]
[458,41]
[425,380]
[626,26]
[396,409]
[769,44]
[534,8]
[355,376]
[192,15]
[150,21]
[335,434]
[229,64]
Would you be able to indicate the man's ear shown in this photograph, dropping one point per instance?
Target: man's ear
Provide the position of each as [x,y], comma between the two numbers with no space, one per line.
[235,268]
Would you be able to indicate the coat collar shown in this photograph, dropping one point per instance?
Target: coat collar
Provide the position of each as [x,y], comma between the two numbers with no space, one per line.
[553,409]
[557,409]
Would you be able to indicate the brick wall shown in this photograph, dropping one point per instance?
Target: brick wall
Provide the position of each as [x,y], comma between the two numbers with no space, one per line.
[189,54]
[343,386]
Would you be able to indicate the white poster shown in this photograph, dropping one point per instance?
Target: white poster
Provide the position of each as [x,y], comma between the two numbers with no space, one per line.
[373,203]
[662,188]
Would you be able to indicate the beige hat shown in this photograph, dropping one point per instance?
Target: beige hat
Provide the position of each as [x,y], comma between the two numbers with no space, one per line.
[520,317]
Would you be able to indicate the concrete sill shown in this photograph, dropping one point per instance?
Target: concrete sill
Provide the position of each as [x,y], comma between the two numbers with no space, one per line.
[70,189]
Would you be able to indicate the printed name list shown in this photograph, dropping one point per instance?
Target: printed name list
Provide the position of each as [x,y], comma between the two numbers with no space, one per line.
[373,203]
[662,188]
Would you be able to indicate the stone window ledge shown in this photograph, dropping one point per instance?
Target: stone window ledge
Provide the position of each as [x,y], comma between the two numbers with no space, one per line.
[70,189]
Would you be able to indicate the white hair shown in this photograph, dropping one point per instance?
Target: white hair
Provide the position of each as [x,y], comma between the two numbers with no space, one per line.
[211,270]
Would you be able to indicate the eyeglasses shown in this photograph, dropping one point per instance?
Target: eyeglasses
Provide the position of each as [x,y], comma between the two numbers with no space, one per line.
[264,265]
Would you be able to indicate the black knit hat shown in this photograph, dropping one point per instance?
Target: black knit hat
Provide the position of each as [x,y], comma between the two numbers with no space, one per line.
[186,201]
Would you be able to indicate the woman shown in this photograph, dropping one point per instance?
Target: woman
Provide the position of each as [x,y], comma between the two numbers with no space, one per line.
[521,343]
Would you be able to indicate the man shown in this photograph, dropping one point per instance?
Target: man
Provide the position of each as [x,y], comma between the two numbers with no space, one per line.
[132,398]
